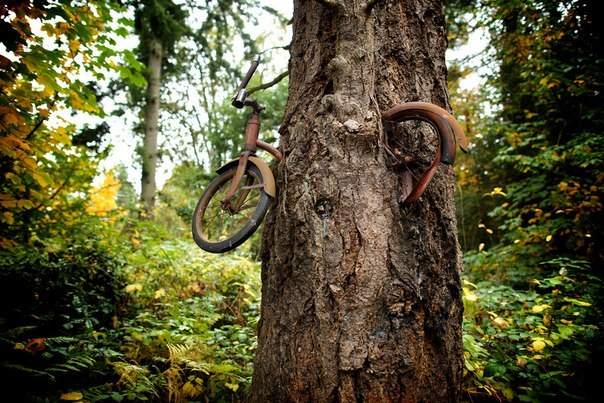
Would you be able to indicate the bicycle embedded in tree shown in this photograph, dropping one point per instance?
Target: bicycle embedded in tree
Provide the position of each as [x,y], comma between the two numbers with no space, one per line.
[235,203]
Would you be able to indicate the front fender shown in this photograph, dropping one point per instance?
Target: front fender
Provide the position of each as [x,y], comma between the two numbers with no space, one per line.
[267,175]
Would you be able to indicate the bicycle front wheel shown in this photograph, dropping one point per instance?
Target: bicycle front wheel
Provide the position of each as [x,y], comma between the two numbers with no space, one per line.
[220,226]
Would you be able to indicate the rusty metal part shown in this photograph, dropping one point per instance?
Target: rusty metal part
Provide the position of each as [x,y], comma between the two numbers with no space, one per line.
[269,184]
[272,150]
[450,134]
[421,185]
[251,134]
[445,124]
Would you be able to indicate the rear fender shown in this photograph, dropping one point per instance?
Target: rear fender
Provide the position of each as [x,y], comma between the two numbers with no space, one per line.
[450,132]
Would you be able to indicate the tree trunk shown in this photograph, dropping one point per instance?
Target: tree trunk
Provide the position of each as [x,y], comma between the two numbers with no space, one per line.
[361,296]
[149,152]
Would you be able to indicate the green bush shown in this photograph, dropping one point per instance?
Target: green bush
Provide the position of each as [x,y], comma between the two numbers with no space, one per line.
[534,344]
[190,333]
[57,315]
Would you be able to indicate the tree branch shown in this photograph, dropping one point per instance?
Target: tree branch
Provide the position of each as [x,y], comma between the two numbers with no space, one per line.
[269,84]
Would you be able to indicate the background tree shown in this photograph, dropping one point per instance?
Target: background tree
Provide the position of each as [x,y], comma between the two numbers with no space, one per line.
[541,145]
[159,24]
[361,297]
[553,156]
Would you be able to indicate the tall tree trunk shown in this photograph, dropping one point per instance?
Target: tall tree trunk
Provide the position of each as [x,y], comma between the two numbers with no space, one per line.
[149,152]
[361,297]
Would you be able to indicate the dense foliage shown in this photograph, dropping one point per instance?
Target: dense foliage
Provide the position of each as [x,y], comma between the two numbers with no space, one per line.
[530,202]
[139,316]
[98,306]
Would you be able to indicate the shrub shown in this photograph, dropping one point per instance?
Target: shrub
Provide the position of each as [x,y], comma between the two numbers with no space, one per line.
[57,315]
[533,344]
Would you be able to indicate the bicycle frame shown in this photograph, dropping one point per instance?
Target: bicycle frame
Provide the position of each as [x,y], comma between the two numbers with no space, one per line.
[252,143]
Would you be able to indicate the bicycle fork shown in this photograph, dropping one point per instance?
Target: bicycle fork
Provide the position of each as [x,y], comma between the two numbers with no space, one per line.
[248,156]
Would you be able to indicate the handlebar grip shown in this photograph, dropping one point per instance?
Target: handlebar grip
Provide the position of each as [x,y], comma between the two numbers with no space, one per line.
[239,99]
[250,72]
[240,95]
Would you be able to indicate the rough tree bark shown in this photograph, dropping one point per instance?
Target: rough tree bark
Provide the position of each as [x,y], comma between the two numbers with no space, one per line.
[361,297]
[149,151]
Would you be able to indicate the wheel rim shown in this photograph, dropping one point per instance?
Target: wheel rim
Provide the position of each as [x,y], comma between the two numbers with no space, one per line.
[217,223]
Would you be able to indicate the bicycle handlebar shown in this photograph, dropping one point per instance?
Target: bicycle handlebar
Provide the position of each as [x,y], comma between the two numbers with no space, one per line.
[238,100]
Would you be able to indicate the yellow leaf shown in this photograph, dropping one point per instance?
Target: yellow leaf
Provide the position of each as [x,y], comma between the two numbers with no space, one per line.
[548,238]
[72,396]
[12,119]
[577,302]
[539,308]
[74,45]
[480,247]
[500,322]
[538,345]
[44,113]
[40,179]
[496,191]
[8,217]
[25,204]
[103,198]
[135,242]
[29,163]
[469,295]
[7,201]
[61,136]
[132,288]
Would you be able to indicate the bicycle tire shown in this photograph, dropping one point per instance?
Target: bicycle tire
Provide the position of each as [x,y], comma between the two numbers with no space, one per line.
[231,229]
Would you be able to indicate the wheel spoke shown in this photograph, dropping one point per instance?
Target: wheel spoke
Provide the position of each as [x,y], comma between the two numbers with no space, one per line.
[225,223]
[217,223]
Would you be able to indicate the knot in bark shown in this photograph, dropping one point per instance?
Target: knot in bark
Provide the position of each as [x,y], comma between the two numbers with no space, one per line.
[352,125]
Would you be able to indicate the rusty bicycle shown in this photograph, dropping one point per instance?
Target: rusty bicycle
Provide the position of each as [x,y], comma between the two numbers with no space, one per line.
[234,204]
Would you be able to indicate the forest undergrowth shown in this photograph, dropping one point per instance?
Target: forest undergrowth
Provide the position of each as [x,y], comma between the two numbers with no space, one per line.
[137,312]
